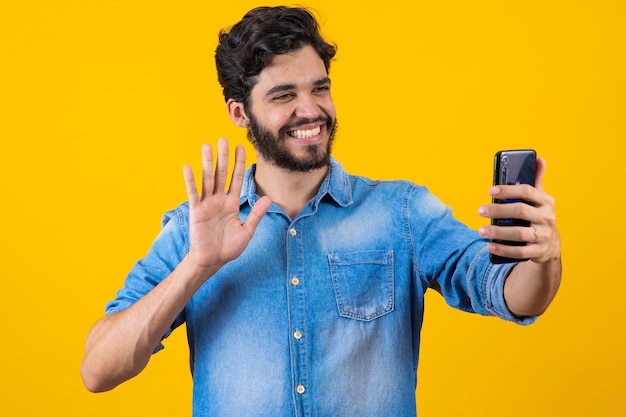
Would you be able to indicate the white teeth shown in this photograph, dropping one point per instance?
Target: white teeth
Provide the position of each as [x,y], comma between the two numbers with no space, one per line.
[303,134]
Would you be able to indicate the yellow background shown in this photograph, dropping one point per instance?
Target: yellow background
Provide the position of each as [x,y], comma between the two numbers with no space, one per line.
[103,102]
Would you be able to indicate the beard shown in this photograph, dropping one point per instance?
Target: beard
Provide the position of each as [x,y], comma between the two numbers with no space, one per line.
[274,150]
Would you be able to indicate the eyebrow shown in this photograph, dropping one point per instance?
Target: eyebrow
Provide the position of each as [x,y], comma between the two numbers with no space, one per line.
[286,87]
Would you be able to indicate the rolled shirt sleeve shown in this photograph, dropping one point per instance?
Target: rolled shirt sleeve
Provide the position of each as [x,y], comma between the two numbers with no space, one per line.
[166,252]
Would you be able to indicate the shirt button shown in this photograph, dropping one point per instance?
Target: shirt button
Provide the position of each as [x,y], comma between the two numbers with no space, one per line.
[293,232]
[295,281]
[300,389]
[297,334]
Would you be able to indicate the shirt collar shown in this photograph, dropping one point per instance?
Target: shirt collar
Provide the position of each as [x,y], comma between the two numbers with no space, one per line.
[336,185]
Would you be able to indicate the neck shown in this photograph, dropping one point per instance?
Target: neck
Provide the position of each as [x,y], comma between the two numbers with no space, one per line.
[288,189]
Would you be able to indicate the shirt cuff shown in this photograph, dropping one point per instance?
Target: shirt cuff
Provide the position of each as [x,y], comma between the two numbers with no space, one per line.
[494,295]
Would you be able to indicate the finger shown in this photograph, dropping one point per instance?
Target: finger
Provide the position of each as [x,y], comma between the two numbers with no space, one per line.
[207,170]
[221,168]
[514,252]
[541,169]
[521,211]
[256,214]
[190,185]
[509,233]
[523,192]
[238,171]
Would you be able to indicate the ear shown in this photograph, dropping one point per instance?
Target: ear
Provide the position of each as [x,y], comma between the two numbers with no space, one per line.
[237,113]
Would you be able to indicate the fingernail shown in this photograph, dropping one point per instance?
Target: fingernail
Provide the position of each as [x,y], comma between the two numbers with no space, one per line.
[482,231]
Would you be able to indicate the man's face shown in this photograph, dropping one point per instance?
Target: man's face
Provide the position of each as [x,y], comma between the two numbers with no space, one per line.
[291,114]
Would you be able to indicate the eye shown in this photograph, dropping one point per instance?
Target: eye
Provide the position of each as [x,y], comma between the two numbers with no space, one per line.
[283,97]
[322,89]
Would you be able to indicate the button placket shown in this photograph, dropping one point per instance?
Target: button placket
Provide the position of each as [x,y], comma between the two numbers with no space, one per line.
[297,314]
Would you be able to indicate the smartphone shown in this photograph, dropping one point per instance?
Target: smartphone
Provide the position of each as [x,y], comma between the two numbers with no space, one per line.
[512,167]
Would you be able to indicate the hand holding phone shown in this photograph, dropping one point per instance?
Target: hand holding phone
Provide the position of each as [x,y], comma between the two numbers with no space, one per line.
[512,167]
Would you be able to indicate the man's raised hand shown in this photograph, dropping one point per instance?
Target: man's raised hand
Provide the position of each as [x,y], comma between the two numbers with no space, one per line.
[216,233]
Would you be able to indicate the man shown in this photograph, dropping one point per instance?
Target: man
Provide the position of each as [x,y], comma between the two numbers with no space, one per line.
[302,286]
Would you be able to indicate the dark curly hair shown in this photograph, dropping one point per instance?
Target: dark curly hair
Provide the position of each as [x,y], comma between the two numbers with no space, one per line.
[246,48]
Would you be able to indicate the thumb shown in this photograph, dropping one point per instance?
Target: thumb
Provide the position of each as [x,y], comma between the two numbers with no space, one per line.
[256,214]
[541,169]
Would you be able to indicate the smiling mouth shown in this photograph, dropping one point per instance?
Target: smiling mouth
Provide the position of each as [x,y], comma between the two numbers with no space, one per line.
[305,133]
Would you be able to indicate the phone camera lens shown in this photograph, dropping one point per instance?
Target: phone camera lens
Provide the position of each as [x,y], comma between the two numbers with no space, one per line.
[505,159]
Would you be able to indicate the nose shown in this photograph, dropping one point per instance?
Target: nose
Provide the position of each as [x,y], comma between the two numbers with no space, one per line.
[307,107]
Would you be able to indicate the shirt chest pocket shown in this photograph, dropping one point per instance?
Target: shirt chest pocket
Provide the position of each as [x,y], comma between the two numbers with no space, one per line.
[363,283]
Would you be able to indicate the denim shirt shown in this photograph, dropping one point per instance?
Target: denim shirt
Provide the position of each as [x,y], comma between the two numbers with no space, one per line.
[321,314]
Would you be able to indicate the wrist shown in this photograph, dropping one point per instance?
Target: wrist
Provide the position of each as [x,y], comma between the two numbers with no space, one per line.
[197,273]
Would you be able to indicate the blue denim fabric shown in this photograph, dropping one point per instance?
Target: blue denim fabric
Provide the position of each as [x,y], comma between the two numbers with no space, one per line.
[321,315]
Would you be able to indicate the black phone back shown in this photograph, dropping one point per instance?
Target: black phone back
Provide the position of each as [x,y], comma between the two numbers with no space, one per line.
[513,167]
